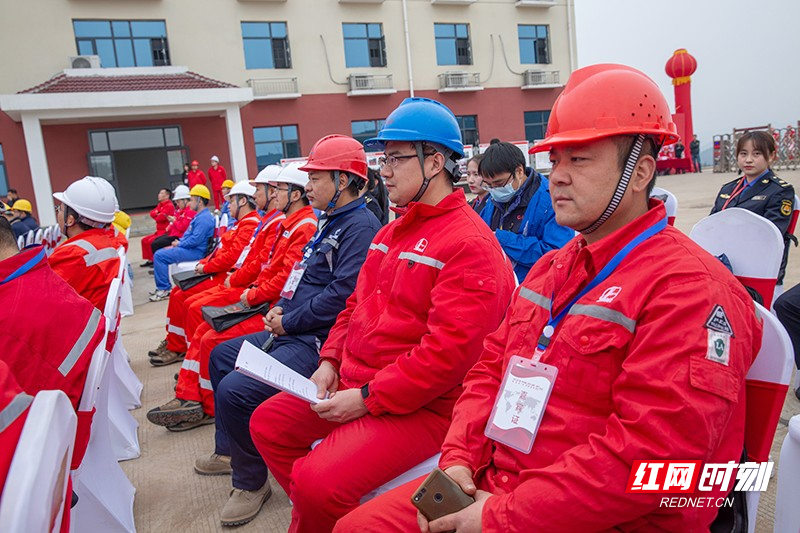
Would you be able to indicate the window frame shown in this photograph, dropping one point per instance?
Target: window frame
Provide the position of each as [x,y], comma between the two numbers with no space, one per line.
[284,141]
[534,42]
[542,123]
[378,123]
[163,51]
[461,126]
[374,44]
[462,53]
[270,43]
[3,173]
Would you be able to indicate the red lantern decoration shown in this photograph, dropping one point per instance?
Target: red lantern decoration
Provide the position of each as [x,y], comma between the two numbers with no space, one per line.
[680,68]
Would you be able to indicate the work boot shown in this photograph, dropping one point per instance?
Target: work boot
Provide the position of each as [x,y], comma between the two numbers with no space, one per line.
[244,505]
[186,426]
[213,465]
[162,346]
[175,411]
[167,357]
[146,264]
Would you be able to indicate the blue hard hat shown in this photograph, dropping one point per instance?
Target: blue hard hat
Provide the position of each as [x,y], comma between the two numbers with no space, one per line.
[420,119]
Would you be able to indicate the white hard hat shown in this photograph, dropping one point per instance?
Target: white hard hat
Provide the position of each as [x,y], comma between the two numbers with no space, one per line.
[91,197]
[292,175]
[181,193]
[243,188]
[268,173]
[215,158]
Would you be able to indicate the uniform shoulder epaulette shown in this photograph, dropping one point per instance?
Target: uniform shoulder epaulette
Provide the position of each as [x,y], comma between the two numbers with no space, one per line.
[780,182]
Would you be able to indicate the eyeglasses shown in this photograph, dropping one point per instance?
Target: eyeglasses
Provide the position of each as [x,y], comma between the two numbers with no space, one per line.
[486,187]
[393,160]
[275,188]
[58,208]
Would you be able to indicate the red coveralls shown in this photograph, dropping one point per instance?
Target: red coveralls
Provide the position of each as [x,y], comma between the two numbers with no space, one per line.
[89,263]
[293,234]
[217,176]
[634,382]
[434,283]
[14,404]
[183,217]
[48,333]
[223,259]
[159,214]
[196,177]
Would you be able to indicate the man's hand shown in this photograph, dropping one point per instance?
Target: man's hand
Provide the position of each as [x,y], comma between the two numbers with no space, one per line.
[326,378]
[199,268]
[243,298]
[273,322]
[467,520]
[342,407]
[227,282]
[176,242]
[171,218]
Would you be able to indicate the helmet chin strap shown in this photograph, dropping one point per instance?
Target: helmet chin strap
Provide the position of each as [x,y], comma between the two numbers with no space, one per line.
[425,180]
[332,204]
[622,185]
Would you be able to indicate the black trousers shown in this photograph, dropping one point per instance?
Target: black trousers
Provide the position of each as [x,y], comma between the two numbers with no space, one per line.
[787,307]
[161,242]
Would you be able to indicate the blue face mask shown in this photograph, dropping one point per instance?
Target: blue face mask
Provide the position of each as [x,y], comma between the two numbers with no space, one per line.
[503,194]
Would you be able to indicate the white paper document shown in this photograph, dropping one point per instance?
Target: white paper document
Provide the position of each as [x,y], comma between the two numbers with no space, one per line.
[263,367]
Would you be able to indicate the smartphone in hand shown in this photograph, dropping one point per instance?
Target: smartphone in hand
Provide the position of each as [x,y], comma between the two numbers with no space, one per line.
[439,495]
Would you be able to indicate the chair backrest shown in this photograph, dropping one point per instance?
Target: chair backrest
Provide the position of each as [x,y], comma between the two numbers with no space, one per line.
[37,237]
[21,242]
[767,385]
[34,496]
[795,213]
[787,512]
[670,203]
[94,376]
[29,237]
[753,245]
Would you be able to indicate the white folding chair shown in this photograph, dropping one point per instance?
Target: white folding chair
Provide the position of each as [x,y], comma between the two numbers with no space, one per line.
[21,242]
[185,266]
[670,203]
[29,237]
[35,493]
[37,237]
[787,512]
[753,244]
[105,495]
[767,385]
[790,231]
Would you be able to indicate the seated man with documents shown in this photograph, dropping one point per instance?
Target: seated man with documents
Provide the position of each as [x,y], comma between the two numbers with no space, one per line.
[312,297]
[434,284]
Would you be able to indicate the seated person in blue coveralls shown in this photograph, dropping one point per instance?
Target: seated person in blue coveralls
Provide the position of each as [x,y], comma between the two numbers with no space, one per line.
[300,322]
[191,247]
[519,212]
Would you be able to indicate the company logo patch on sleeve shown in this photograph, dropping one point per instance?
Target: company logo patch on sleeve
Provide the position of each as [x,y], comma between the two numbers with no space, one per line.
[719,347]
[718,321]
[786,208]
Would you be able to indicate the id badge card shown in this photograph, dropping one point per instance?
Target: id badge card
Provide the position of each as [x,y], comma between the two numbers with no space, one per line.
[242,257]
[520,403]
[293,281]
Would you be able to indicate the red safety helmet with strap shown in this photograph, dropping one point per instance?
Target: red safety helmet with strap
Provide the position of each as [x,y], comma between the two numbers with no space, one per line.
[338,152]
[606,100]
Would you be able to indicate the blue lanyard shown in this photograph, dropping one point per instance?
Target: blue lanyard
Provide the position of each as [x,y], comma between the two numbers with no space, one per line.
[24,269]
[552,324]
[324,231]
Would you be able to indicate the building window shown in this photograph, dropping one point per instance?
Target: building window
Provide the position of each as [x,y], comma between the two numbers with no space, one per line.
[123,43]
[266,45]
[452,44]
[3,175]
[536,124]
[365,129]
[275,143]
[534,44]
[469,129]
[364,45]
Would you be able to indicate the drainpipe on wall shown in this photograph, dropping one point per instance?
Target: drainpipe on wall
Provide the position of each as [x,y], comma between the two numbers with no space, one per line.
[570,34]
[408,50]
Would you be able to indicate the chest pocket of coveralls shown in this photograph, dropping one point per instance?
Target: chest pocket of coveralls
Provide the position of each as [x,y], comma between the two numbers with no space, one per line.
[591,354]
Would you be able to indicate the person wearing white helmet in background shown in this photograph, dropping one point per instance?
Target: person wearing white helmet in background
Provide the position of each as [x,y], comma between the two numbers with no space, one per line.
[178,221]
[182,329]
[194,399]
[234,248]
[88,259]
[191,247]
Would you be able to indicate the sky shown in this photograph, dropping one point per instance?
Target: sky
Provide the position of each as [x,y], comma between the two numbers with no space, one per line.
[748,72]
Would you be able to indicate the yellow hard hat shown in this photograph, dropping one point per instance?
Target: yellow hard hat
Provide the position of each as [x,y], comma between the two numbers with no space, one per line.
[22,205]
[227,184]
[201,191]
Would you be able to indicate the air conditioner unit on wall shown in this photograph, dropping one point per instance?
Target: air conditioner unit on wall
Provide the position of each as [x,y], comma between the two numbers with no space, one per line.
[84,62]
[456,79]
[363,82]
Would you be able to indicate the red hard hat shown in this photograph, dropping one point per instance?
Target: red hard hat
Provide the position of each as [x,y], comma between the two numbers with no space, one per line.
[602,101]
[338,152]
[195,164]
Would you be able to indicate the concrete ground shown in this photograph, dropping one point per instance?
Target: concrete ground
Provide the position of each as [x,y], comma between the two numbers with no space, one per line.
[172,498]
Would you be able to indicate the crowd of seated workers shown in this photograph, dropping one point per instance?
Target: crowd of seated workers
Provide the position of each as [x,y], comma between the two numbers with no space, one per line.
[523,336]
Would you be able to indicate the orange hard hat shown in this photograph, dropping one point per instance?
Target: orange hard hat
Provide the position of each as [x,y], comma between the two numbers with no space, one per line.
[606,100]
[338,152]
